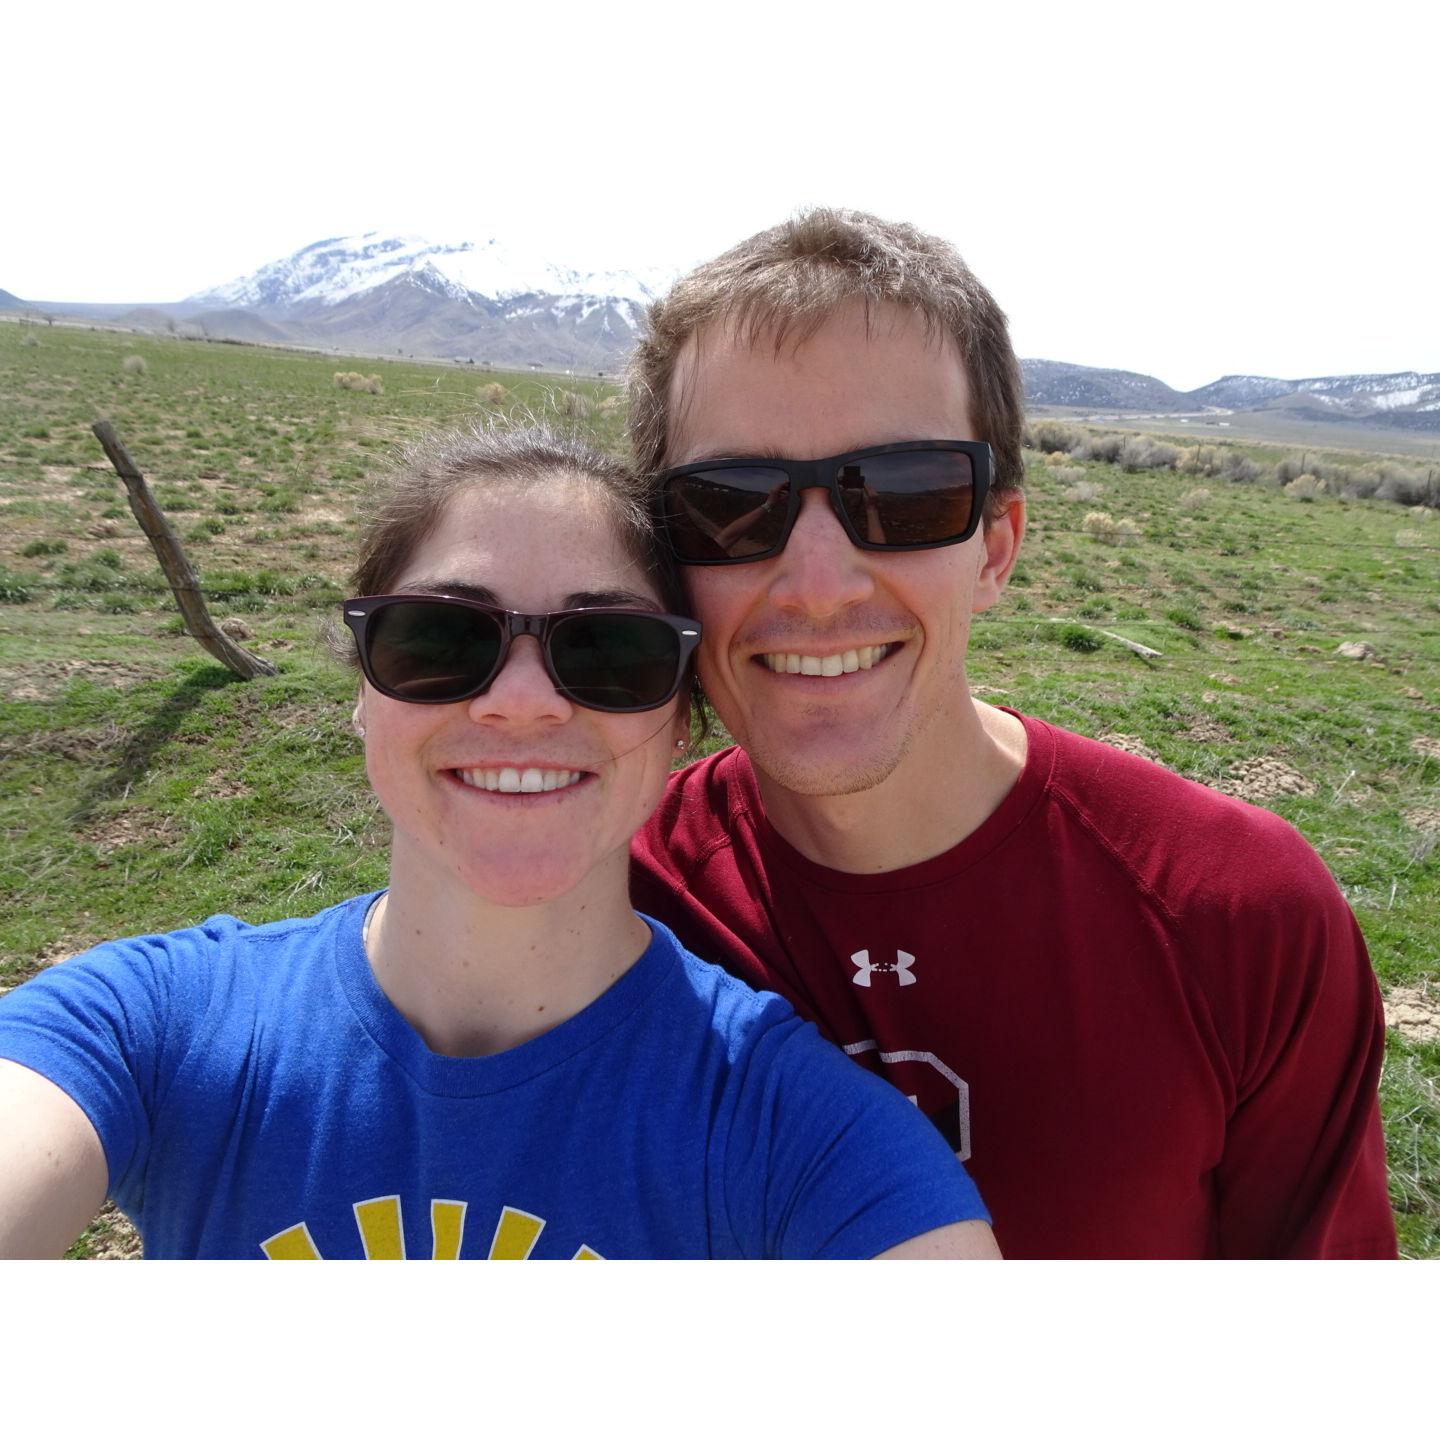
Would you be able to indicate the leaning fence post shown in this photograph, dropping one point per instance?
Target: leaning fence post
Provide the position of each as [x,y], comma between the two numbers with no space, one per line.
[178,570]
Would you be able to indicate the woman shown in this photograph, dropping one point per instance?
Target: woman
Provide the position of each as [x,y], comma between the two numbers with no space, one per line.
[495,1056]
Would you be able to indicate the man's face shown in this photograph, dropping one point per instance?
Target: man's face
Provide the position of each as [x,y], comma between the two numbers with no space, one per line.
[841,390]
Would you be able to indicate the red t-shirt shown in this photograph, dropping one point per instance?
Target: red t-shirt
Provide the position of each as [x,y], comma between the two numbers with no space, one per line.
[1141,1011]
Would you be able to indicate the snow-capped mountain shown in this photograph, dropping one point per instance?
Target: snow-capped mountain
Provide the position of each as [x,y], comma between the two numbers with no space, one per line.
[1347,397]
[465,299]
[1054,382]
[330,271]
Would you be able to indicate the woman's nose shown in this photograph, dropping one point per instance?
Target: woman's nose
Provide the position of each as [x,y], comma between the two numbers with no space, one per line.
[523,690]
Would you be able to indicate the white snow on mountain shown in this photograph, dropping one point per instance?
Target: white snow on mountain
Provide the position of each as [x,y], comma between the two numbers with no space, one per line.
[330,271]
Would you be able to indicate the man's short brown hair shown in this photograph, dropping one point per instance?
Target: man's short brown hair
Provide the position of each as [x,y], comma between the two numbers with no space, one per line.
[784,283]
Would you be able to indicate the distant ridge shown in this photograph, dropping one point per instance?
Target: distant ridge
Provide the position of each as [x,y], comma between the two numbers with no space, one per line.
[489,303]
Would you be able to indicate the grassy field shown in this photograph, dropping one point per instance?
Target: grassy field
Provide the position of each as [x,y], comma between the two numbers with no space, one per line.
[145,788]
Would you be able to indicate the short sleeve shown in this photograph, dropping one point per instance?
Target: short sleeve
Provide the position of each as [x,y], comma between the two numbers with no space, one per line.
[95,1026]
[826,1161]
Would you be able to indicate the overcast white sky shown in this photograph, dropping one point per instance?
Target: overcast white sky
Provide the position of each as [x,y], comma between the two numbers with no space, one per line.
[1184,191]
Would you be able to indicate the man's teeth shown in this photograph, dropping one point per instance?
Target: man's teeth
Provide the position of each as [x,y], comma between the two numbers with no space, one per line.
[510,781]
[845,663]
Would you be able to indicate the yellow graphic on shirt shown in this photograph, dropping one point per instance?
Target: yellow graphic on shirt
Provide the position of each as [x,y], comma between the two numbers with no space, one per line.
[447,1227]
[382,1233]
[380,1229]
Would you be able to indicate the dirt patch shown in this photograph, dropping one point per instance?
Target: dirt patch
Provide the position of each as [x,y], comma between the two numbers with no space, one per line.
[83,745]
[220,786]
[1263,778]
[113,1237]
[1424,817]
[1414,1010]
[1424,745]
[45,679]
[1131,745]
[1207,732]
[129,827]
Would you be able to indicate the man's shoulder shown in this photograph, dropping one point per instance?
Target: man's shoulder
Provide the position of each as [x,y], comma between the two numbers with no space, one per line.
[1186,843]
[702,805]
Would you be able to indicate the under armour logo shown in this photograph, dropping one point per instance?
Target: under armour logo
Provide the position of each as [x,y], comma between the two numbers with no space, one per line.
[899,966]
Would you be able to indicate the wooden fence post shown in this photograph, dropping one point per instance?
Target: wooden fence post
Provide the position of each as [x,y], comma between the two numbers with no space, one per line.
[178,570]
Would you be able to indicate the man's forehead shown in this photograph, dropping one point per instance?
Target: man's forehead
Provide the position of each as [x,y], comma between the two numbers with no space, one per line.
[858,377]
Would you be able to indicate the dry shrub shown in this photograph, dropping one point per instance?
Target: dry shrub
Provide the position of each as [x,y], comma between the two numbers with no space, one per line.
[1140,452]
[1196,499]
[134,365]
[352,380]
[1105,448]
[1419,512]
[1239,468]
[1405,487]
[1102,526]
[1057,457]
[493,393]
[1070,474]
[1084,490]
[1305,487]
[573,405]
[612,404]
[1362,485]
[1051,435]
[29,340]
[1409,539]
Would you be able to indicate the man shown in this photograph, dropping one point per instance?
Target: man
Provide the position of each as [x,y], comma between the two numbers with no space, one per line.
[1140,1011]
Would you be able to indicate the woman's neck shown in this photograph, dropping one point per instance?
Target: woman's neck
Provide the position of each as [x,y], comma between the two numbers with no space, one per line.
[475,978]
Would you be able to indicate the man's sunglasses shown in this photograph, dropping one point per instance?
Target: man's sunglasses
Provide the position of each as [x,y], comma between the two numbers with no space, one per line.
[915,495]
[439,649]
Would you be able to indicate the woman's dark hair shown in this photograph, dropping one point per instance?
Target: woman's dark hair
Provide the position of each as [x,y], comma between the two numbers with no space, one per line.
[408,501]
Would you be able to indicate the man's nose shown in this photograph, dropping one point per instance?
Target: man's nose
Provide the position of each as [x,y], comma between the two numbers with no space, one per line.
[821,571]
[523,690]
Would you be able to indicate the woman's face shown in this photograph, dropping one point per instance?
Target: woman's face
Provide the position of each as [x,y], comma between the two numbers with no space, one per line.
[535,548]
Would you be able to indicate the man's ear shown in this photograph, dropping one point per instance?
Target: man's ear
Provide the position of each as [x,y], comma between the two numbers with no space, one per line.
[1002,536]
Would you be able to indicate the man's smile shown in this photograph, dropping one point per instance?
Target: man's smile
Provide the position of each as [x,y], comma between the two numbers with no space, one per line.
[840,662]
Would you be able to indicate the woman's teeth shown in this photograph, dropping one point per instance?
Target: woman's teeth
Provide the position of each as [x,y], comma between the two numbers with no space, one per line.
[845,663]
[510,781]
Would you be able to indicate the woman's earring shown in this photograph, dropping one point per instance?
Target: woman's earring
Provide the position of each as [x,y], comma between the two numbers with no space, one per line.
[681,744]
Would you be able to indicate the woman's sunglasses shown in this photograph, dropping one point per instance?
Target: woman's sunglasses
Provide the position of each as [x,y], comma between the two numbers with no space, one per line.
[915,495]
[438,649]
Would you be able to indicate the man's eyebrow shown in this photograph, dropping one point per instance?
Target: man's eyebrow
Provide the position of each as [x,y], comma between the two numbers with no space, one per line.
[711,453]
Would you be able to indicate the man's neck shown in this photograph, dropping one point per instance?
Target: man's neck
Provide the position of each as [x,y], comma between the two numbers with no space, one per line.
[920,810]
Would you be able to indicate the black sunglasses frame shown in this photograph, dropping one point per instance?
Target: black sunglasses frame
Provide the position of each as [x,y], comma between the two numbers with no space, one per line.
[360,611]
[825,475]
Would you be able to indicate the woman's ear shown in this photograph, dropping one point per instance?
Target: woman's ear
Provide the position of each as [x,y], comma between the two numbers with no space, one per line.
[357,715]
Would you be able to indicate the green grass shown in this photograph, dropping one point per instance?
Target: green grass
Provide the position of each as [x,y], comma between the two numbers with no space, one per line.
[144,788]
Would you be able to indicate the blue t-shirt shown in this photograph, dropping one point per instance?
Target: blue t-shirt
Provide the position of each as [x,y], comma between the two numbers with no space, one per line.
[257,1094]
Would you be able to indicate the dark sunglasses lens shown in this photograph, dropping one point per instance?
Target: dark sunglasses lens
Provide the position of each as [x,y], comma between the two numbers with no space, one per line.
[909,497]
[726,514]
[425,650]
[616,662]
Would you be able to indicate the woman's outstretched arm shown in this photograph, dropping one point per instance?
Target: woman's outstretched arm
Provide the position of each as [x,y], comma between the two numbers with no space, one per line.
[964,1240]
[53,1174]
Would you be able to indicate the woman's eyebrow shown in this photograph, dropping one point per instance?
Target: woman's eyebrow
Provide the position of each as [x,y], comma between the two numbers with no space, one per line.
[461,589]
[576,600]
[592,599]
